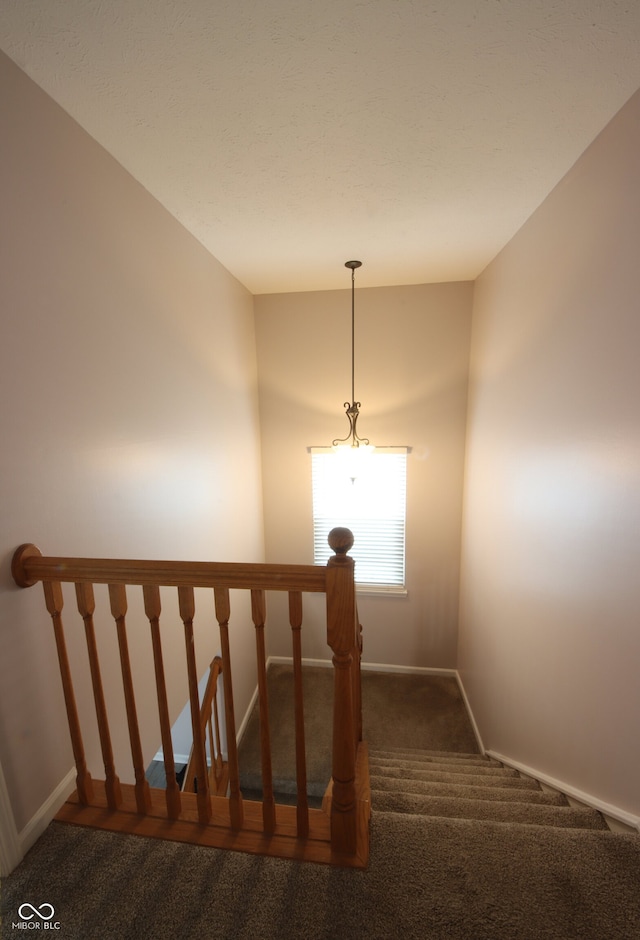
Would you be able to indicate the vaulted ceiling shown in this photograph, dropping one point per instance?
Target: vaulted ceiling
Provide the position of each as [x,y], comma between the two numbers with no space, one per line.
[291,135]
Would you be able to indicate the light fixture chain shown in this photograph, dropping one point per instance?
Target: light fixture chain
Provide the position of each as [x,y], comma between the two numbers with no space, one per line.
[353,335]
[352,408]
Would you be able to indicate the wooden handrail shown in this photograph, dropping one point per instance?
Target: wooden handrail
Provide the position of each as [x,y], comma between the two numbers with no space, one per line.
[224,820]
[29,566]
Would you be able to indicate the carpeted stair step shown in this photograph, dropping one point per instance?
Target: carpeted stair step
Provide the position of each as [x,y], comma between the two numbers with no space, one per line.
[447,775]
[402,767]
[564,817]
[469,791]
[403,759]
[417,755]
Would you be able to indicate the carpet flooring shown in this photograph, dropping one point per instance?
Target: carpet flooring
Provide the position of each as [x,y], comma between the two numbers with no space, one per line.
[430,878]
[461,849]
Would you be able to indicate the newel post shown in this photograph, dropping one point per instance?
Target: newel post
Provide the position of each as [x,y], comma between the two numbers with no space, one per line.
[341,635]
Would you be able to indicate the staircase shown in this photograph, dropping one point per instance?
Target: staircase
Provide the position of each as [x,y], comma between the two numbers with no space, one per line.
[467,786]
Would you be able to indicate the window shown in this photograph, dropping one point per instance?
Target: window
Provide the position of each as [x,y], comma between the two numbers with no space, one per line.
[366,492]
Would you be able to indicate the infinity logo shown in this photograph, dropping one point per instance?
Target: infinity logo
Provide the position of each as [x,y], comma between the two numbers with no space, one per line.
[37,911]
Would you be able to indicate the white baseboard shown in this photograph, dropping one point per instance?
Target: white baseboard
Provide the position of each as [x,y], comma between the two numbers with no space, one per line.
[368,667]
[408,670]
[41,819]
[177,758]
[594,802]
[245,721]
[288,661]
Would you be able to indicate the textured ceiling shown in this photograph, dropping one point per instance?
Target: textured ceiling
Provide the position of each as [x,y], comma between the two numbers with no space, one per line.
[291,135]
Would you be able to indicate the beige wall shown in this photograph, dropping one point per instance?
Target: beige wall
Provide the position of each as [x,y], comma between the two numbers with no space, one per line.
[129,421]
[550,638]
[412,347]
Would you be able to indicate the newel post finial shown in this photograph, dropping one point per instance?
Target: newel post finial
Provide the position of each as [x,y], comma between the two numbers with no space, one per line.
[340,540]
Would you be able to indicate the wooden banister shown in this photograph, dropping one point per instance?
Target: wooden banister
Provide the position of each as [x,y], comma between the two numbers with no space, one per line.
[210,731]
[30,566]
[339,832]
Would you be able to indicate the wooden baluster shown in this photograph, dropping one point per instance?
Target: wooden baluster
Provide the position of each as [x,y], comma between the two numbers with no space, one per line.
[212,756]
[209,715]
[216,723]
[54,601]
[357,679]
[295,619]
[223,612]
[86,607]
[340,637]
[187,604]
[118,599]
[152,607]
[258,613]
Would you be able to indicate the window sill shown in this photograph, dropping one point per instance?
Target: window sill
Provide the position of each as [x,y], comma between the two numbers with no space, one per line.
[393,590]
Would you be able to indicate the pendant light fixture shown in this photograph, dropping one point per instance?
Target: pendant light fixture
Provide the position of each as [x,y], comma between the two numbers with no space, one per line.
[352,408]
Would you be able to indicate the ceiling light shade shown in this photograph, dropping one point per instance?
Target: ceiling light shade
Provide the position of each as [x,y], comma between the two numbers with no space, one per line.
[352,408]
